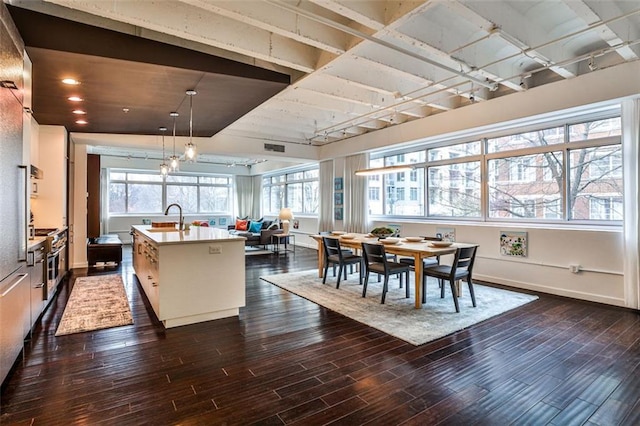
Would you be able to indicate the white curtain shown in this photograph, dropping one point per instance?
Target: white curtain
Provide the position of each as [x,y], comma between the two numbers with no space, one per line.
[244,196]
[631,158]
[356,217]
[325,219]
[256,211]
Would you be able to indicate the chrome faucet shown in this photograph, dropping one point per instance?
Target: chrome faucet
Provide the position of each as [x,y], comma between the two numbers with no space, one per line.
[166,212]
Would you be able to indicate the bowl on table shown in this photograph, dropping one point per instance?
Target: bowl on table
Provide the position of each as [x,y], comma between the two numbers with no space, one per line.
[413,239]
[390,240]
[440,244]
[347,236]
[338,232]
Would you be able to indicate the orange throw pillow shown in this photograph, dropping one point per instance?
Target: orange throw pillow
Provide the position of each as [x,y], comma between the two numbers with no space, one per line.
[242,225]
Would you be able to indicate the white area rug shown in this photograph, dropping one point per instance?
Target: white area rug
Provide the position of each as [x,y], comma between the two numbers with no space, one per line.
[397,316]
[95,303]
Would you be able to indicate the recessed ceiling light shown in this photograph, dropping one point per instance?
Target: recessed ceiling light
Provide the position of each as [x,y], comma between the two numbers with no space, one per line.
[125,110]
[79,112]
[8,84]
[75,99]
[70,81]
[81,122]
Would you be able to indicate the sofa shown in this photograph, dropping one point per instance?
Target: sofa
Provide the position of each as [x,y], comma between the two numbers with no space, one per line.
[257,235]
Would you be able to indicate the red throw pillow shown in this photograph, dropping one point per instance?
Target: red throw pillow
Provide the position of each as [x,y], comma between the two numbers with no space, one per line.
[242,225]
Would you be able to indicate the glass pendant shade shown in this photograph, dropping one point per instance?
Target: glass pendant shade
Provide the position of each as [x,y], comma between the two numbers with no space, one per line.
[190,151]
[174,162]
[164,169]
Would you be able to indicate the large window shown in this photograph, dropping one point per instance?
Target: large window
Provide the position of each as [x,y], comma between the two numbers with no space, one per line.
[141,192]
[520,185]
[297,190]
[567,172]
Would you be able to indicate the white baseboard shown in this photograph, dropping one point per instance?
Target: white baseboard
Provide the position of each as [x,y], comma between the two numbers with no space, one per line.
[607,300]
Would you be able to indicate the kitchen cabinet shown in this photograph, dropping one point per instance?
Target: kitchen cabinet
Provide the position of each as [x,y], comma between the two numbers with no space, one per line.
[190,276]
[15,316]
[50,208]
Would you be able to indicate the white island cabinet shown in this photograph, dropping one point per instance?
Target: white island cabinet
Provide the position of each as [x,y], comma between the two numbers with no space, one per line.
[190,276]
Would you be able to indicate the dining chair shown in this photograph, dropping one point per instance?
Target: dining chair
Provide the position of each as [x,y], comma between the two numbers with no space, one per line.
[460,269]
[344,251]
[426,262]
[334,255]
[376,261]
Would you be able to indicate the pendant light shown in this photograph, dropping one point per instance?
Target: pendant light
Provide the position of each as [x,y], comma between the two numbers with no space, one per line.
[174,162]
[190,148]
[164,169]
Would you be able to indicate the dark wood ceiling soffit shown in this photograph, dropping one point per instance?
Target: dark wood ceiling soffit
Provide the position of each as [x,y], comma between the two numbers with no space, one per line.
[50,32]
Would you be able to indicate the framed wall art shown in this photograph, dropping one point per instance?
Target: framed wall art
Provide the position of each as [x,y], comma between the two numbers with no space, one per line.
[513,243]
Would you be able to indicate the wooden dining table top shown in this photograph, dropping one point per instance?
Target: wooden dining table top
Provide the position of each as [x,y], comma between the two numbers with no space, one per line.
[402,247]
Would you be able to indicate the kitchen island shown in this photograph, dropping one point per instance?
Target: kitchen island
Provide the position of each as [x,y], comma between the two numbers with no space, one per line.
[190,276]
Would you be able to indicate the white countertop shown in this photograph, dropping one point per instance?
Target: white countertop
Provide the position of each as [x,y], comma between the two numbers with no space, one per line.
[197,234]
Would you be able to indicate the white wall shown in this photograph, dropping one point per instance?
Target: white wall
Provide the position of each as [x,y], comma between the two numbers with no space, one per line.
[546,267]
[78,222]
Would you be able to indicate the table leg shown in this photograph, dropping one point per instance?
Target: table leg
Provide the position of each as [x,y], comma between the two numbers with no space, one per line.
[320,259]
[418,269]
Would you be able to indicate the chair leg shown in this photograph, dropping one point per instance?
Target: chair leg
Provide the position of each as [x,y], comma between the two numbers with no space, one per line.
[339,275]
[344,268]
[441,284]
[360,272]
[473,294]
[455,295]
[326,271]
[408,294]
[364,287]
[424,289]
[385,287]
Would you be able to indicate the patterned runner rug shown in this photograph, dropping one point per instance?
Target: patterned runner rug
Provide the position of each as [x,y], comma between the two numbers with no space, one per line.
[397,316]
[95,303]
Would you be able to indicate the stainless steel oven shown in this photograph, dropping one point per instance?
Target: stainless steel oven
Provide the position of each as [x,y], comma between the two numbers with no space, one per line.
[55,246]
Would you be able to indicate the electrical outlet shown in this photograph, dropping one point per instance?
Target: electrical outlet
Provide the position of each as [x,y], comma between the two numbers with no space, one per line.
[574,268]
[215,250]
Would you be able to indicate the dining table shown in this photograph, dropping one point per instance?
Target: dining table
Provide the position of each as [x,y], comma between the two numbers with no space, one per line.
[419,250]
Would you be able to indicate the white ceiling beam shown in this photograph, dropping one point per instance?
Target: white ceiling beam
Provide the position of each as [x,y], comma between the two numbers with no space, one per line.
[595,12]
[198,25]
[281,22]
[444,58]
[340,88]
[372,38]
[513,29]
[305,97]
[371,14]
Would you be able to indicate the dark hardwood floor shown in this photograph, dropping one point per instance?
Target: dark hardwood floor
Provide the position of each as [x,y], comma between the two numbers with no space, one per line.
[287,361]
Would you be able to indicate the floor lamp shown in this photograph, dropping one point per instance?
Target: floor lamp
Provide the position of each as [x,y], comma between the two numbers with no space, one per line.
[285,216]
